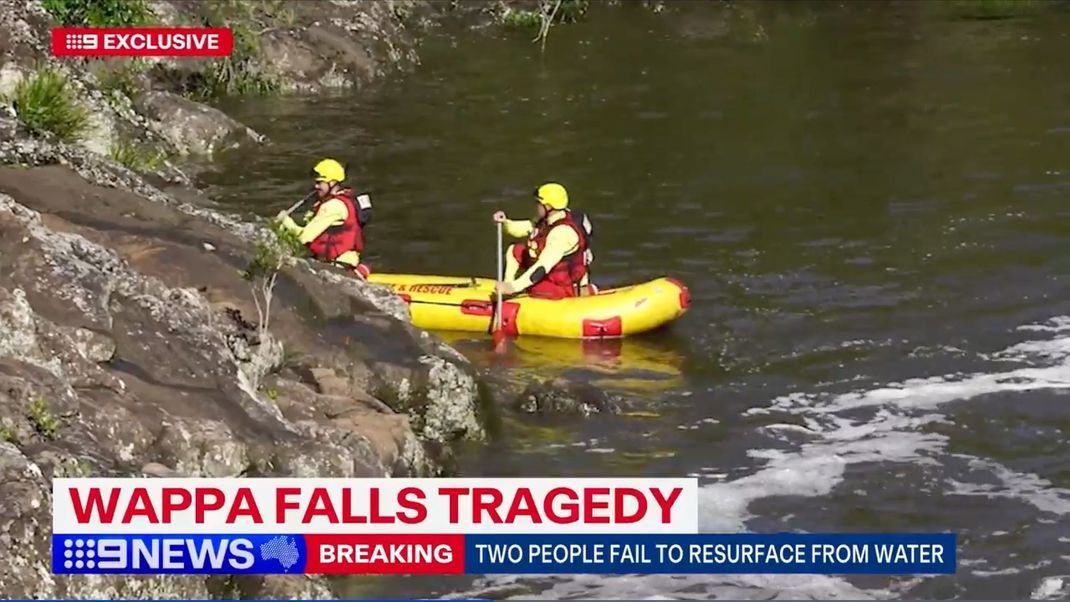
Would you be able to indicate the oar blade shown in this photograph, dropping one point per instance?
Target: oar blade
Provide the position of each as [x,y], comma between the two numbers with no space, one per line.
[501,342]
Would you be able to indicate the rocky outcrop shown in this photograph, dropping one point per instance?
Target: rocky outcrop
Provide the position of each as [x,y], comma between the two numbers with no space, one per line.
[341,43]
[303,46]
[126,348]
[192,128]
[24,51]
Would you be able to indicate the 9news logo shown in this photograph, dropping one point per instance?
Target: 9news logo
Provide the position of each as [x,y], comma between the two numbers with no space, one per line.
[175,554]
[83,553]
[80,42]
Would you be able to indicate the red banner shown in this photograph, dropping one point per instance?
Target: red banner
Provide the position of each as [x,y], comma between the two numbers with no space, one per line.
[379,554]
[142,41]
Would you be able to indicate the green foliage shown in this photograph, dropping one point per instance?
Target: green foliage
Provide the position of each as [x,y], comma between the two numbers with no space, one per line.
[523,19]
[45,102]
[137,157]
[271,253]
[571,11]
[549,13]
[124,77]
[8,434]
[100,13]
[241,73]
[282,15]
[262,272]
[272,394]
[42,419]
[74,467]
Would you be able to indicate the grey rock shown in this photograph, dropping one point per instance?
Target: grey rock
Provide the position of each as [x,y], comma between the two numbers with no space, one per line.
[111,116]
[559,396]
[18,332]
[94,346]
[9,127]
[450,413]
[155,469]
[339,44]
[193,128]
[24,521]
[329,383]
[379,296]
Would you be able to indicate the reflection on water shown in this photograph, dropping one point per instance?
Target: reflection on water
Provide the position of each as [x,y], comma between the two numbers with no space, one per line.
[637,364]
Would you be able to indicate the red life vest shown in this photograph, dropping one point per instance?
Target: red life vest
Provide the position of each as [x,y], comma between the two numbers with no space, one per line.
[567,274]
[342,238]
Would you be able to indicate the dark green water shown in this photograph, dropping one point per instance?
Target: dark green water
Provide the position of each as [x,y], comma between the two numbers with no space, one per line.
[871,205]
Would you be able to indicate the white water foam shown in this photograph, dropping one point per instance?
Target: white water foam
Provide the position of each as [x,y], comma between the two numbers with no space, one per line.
[1052,588]
[813,467]
[1038,492]
[817,466]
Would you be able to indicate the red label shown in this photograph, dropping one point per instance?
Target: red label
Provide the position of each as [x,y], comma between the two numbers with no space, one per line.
[142,41]
[379,554]
[610,327]
[477,308]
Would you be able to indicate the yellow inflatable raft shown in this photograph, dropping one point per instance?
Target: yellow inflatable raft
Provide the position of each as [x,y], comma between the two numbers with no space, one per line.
[467,304]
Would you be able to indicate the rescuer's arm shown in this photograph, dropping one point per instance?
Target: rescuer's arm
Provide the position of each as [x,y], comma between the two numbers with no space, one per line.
[330,213]
[560,242]
[518,228]
[512,266]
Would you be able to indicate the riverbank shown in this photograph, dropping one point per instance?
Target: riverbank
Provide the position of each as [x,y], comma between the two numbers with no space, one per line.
[129,341]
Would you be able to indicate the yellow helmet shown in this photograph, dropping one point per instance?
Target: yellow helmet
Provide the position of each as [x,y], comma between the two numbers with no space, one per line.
[329,170]
[552,195]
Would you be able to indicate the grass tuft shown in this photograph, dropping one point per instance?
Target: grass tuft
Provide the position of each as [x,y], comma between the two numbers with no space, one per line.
[40,416]
[238,74]
[523,19]
[135,156]
[100,13]
[8,434]
[45,102]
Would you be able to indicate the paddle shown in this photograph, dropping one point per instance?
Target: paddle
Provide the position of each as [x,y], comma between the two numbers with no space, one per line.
[499,334]
[299,203]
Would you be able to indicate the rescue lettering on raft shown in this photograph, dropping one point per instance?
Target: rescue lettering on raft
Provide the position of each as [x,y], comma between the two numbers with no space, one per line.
[434,289]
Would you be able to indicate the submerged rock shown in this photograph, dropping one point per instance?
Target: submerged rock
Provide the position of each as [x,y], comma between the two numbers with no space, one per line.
[560,396]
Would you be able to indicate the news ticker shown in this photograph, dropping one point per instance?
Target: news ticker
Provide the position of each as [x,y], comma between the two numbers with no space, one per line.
[439,526]
[782,553]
